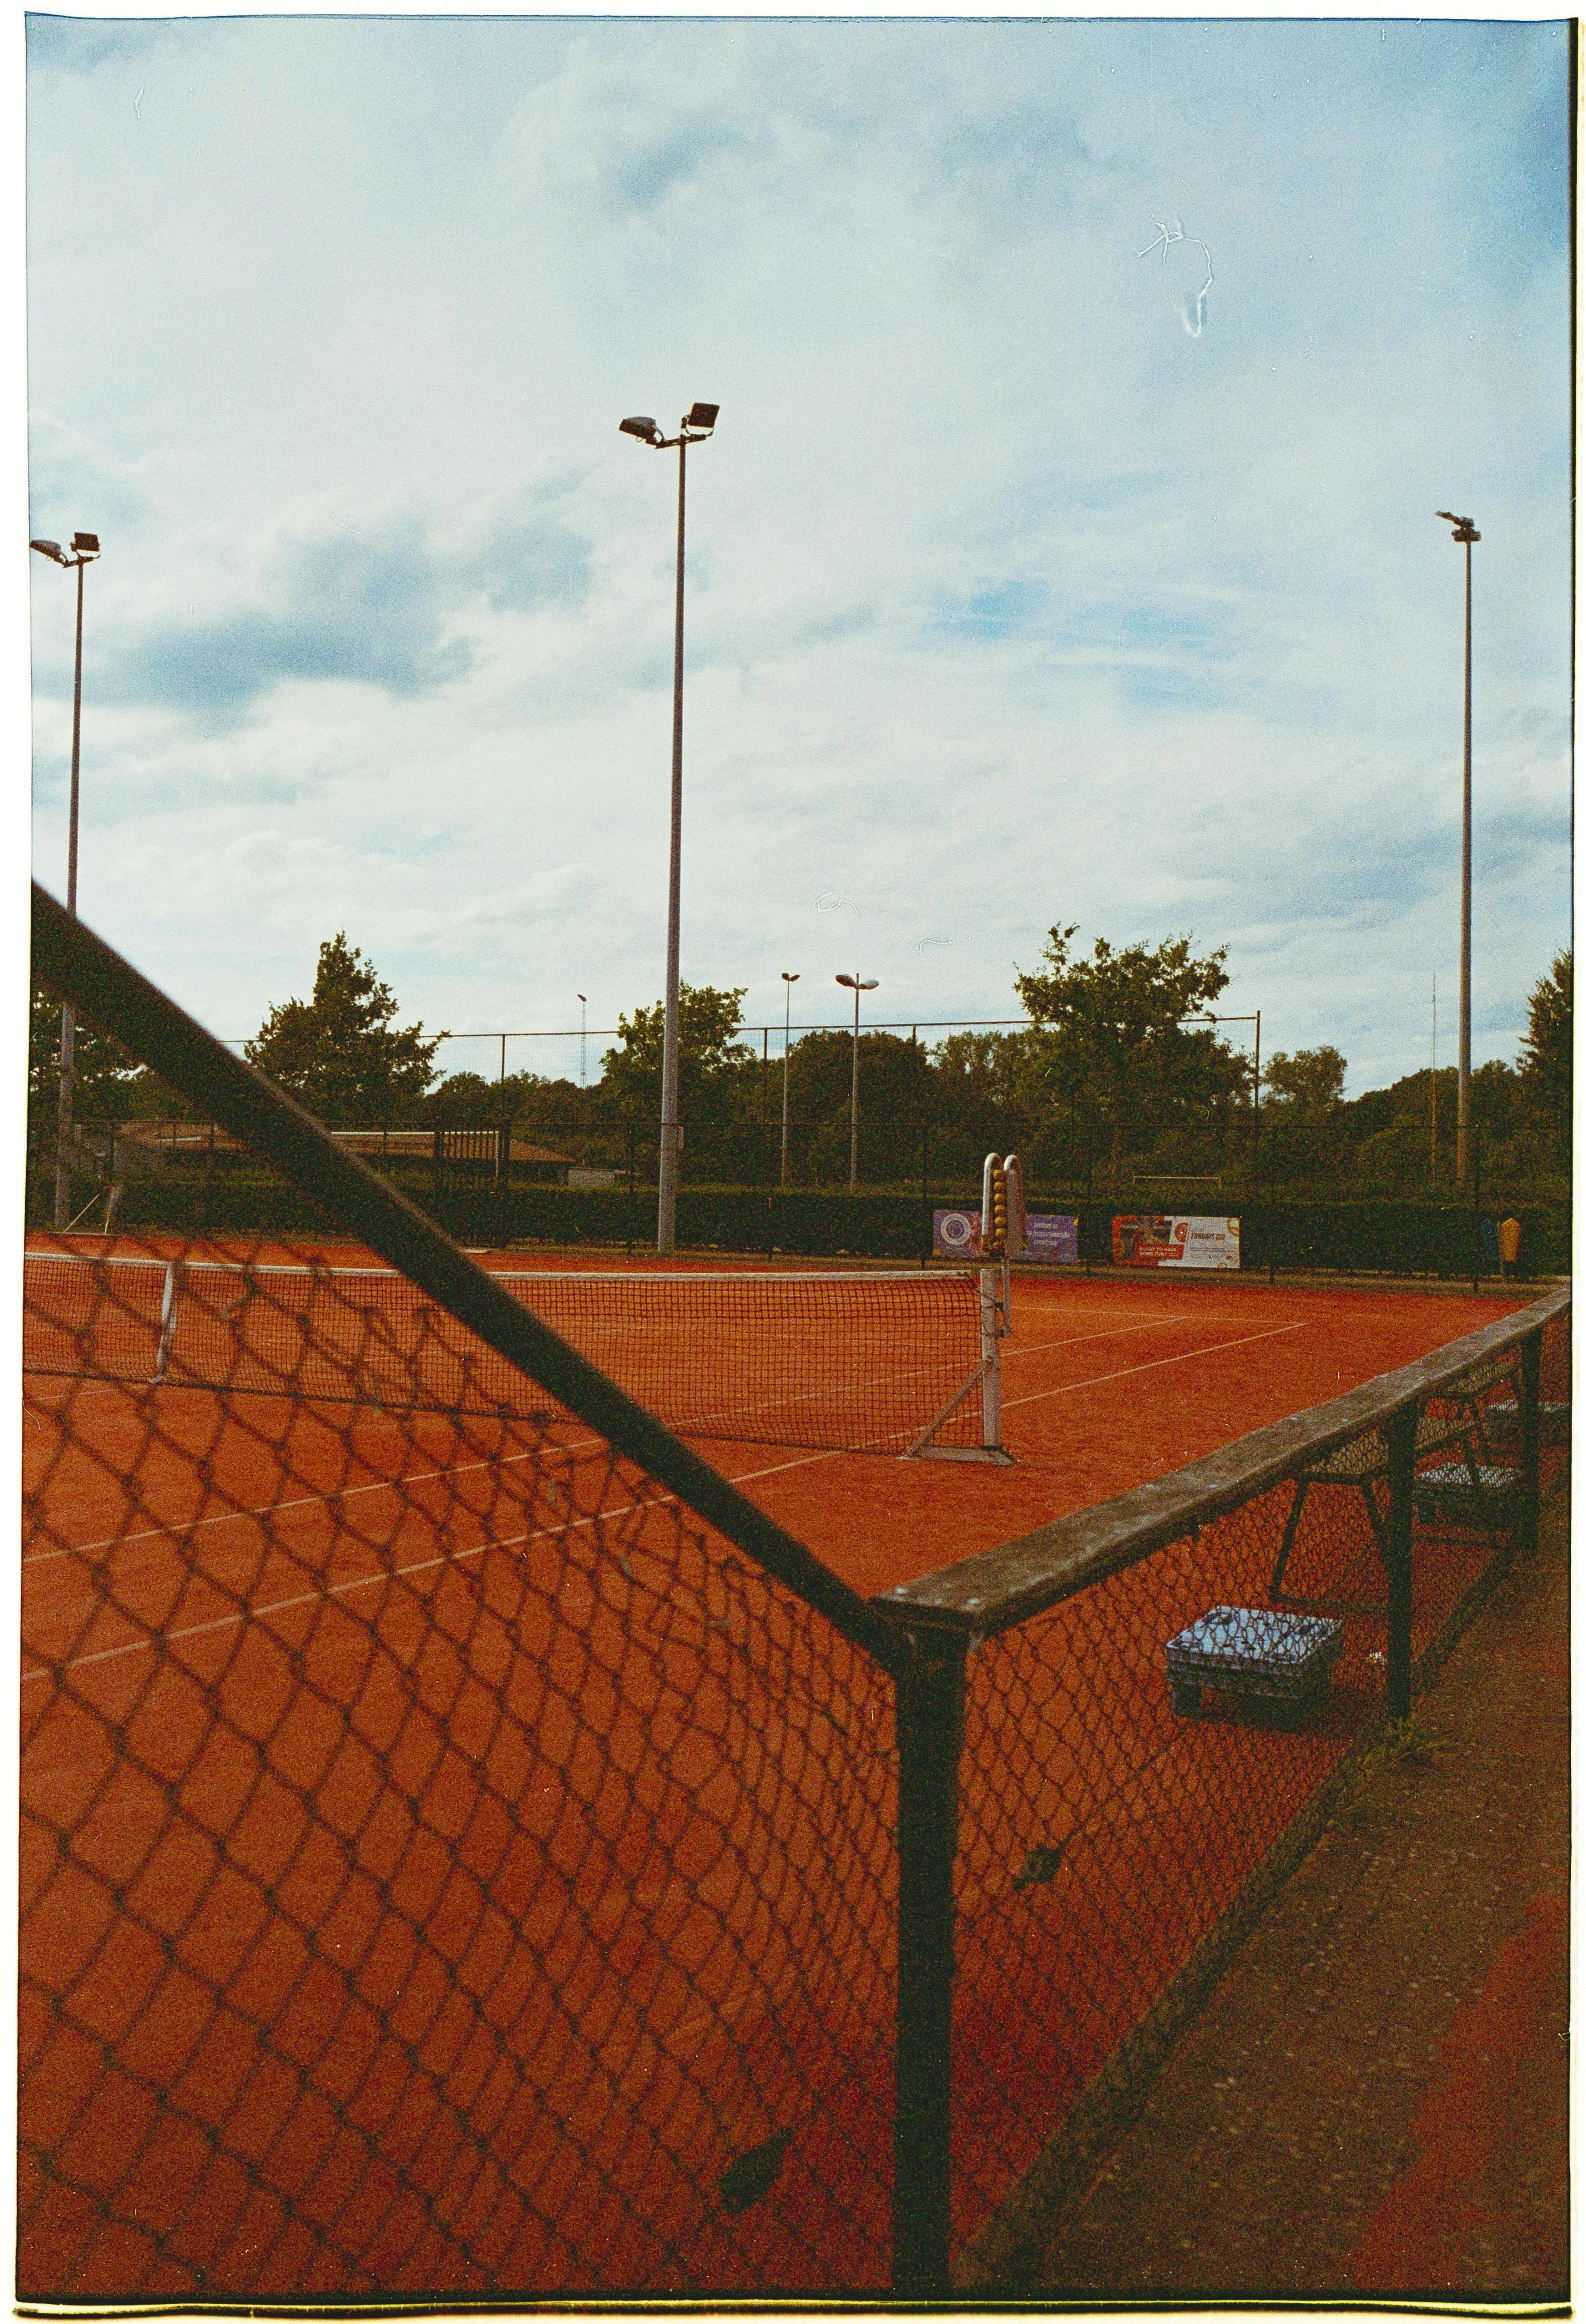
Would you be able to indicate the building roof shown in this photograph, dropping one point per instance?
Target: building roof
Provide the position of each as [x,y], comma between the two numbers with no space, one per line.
[202,1137]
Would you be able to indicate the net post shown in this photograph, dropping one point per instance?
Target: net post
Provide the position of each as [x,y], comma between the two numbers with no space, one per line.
[930,1731]
[162,1353]
[1530,1443]
[1400,1433]
[990,1361]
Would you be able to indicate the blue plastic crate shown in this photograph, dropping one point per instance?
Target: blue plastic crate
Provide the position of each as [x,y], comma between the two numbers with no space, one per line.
[1452,1493]
[1501,1419]
[1285,1660]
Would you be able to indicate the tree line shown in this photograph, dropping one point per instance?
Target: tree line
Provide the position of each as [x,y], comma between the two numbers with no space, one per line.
[1121,1076]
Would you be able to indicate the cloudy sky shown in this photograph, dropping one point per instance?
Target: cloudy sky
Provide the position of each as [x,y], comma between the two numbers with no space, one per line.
[1066,550]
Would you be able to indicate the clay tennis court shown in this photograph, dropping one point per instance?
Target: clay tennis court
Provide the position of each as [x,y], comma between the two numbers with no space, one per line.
[1106,1384]
[408,1933]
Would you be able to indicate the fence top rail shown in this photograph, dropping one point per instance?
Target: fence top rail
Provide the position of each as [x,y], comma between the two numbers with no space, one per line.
[78,966]
[997,1588]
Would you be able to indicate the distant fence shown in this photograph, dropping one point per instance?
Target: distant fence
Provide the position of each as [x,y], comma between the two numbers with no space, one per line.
[477,1855]
[479,1204]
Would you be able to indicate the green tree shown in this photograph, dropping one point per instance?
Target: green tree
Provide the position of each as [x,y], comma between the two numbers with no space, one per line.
[1302,1132]
[1312,1080]
[103,1073]
[895,1100]
[1005,1093]
[717,1080]
[1381,1142]
[574,1121]
[1120,1045]
[108,1086]
[340,1053]
[468,1101]
[580,1121]
[1547,1052]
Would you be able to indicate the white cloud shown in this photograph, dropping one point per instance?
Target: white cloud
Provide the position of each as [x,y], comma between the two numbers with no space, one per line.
[1009,600]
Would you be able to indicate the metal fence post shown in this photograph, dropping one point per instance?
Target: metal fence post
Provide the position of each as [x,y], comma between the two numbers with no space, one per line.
[930,1726]
[1530,1443]
[1400,1435]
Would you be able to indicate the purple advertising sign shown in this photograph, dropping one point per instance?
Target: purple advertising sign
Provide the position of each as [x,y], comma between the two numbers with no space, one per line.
[955,1234]
[1049,1240]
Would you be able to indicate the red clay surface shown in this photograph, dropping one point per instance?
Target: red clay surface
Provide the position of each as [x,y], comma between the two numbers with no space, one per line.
[1104,1387]
[1492,2079]
[1106,1384]
[294,1568]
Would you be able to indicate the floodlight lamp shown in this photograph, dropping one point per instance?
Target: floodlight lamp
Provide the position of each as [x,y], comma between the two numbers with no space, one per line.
[49,549]
[86,543]
[702,415]
[645,429]
[790,976]
[849,981]
[868,984]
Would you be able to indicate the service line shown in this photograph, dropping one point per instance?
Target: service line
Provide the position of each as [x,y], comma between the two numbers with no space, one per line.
[1128,1371]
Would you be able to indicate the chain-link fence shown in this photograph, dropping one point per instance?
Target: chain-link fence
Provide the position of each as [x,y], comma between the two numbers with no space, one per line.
[1164,1698]
[458,1830]
[446,1866]
[470,1852]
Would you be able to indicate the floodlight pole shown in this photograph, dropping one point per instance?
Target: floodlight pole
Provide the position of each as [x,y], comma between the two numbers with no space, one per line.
[859,984]
[1466,534]
[671,1127]
[694,428]
[85,547]
[789,980]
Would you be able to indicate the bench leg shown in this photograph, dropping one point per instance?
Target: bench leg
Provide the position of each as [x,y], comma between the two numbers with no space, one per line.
[1275,1586]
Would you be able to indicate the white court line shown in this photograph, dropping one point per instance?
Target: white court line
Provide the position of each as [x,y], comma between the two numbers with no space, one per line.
[181,1531]
[808,1460]
[1082,1339]
[804,1461]
[335,1589]
[76,1388]
[382,1574]
[466,1468]
[1128,1371]
[515,1541]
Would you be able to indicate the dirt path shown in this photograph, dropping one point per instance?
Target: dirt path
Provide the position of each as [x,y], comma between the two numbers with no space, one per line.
[1376,2098]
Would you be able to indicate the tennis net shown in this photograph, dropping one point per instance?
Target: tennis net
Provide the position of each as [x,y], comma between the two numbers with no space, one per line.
[835,1361]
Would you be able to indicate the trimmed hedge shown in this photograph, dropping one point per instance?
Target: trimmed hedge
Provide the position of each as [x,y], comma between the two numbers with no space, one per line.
[745,1219]
[1398,1238]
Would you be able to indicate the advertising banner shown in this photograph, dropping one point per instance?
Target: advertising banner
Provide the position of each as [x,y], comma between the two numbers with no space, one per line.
[955,1234]
[1154,1241]
[1049,1240]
